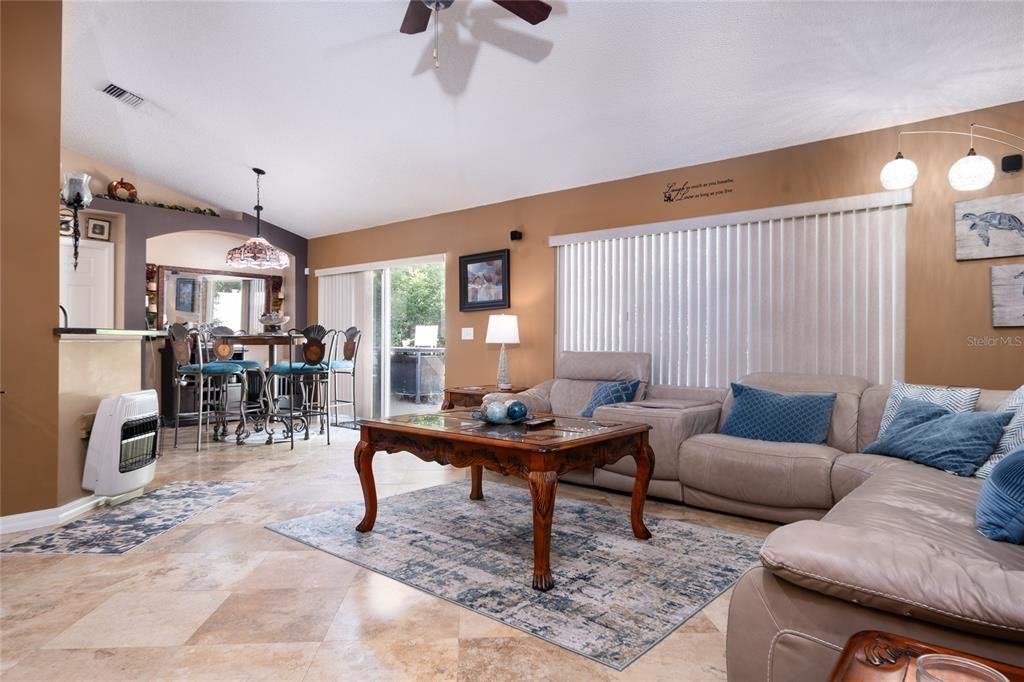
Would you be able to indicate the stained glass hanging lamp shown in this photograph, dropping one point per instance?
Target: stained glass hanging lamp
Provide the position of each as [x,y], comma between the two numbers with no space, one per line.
[257,252]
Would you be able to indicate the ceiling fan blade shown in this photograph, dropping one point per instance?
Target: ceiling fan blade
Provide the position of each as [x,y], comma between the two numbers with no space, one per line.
[533,11]
[417,16]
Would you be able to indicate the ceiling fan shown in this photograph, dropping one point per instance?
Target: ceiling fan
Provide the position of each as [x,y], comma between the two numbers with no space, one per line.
[417,14]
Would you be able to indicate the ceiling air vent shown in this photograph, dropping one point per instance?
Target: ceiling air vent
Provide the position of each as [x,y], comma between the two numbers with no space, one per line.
[119,93]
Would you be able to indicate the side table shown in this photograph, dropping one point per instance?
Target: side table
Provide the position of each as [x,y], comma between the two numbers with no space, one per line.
[873,656]
[472,396]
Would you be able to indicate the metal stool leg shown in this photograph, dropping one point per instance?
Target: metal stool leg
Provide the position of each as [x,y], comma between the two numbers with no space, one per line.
[291,408]
[355,424]
[200,385]
[177,407]
[325,408]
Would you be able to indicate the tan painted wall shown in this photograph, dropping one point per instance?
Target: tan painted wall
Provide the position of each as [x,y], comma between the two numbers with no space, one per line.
[90,370]
[947,302]
[30,62]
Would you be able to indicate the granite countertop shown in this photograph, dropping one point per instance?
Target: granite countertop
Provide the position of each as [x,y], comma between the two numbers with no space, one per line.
[92,331]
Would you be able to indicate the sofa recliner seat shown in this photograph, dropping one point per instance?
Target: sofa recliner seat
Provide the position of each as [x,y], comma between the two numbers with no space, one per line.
[781,482]
[768,474]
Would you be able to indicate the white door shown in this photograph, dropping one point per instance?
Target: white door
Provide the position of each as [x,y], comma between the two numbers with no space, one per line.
[88,292]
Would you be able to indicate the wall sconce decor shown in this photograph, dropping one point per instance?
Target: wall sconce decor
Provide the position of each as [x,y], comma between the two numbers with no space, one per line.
[76,195]
[970,173]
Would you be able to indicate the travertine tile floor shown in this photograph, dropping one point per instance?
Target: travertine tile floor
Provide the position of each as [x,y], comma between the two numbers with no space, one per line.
[221,598]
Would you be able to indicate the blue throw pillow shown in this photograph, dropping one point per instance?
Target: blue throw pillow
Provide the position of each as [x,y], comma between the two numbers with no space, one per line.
[929,434]
[764,415]
[610,393]
[1000,511]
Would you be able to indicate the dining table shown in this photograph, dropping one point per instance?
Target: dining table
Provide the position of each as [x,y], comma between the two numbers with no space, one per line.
[271,341]
[263,414]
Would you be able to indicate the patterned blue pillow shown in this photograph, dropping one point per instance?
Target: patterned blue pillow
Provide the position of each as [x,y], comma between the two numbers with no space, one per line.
[953,399]
[929,434]
[764,415]
[1000,511]
[610,393]
[1013,435]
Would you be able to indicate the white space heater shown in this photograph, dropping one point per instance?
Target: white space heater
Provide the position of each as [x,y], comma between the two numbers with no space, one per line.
[123,446]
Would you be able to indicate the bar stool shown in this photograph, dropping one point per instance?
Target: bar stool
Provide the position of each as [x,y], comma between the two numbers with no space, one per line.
[210,379]
[307,376]
[224,351]
[344,366]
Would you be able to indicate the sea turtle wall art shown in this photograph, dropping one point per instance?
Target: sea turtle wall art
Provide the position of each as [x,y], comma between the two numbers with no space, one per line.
[990,227]
[1008,295]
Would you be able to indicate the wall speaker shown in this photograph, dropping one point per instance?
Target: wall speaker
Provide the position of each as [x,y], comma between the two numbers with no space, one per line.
[515,235]
[1012,163]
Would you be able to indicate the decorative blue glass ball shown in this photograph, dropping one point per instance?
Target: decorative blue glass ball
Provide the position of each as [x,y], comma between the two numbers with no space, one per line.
[516,410]
[495,411]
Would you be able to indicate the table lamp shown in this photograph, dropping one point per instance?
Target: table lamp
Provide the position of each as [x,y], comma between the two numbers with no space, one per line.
[503,329]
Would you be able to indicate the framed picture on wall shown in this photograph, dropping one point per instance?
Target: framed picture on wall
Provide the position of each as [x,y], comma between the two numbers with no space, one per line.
[1008,295]
[989,227]
[97,228]
[484,281]
[185,295]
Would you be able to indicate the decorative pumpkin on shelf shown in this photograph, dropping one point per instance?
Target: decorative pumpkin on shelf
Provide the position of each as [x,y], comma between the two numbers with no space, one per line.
[122,190]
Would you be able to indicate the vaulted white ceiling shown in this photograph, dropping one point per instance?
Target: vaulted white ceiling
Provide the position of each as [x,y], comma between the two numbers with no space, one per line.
[356,128]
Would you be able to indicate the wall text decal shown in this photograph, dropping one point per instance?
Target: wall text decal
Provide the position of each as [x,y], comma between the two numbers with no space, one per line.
[686,191]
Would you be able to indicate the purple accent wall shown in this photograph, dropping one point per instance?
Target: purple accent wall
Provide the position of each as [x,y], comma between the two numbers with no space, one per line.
[143,222]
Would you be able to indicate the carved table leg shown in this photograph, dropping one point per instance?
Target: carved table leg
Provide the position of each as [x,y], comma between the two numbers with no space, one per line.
[477,473]
[543,485]
[364,465]
[644,469]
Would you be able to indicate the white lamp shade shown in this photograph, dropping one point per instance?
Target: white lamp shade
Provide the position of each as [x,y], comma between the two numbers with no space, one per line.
[503,329]
[972,172]
[900,173]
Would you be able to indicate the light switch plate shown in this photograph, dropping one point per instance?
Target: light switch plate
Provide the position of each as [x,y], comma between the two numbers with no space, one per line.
[467,333]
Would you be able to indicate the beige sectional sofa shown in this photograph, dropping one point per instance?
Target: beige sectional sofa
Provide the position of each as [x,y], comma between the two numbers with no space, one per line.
[872,542]
[878,543]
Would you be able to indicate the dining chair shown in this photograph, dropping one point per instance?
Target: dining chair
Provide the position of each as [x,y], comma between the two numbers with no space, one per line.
[345,366]
[253,406]
[210,378]
[306,375]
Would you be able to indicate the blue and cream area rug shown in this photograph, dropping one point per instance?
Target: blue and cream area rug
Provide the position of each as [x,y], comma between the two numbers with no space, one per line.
[130,524]
[614,598]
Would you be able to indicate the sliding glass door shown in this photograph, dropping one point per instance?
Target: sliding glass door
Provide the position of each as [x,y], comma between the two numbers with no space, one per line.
[399,308]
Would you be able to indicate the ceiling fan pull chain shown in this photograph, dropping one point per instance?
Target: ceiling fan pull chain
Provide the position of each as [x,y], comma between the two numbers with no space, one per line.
[437,63]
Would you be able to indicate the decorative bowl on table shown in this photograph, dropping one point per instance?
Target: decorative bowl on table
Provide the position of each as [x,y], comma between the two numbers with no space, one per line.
[274,321]
[503,412]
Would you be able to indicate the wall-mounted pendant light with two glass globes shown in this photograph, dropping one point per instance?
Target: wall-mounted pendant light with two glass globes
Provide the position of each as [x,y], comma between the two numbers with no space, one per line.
[972,172]
[257,252]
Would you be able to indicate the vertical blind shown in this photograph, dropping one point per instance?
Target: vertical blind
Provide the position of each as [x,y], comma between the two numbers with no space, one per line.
[820,293]
[257,294]
[344,301]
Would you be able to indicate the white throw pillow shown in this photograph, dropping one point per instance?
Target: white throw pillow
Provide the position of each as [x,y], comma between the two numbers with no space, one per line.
[953,399]
[1013,434]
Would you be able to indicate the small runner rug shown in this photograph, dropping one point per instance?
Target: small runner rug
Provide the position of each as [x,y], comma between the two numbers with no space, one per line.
[614,598]
[128,525]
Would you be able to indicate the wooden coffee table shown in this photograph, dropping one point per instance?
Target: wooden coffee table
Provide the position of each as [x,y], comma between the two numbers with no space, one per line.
[872,656]
[539,456]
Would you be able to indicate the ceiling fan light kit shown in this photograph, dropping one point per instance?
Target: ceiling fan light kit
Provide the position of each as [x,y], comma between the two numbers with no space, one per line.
[968,174]
[418,12]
